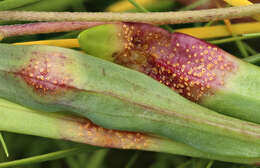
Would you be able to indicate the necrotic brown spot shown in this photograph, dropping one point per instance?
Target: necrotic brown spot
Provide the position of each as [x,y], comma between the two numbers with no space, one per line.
[188,65]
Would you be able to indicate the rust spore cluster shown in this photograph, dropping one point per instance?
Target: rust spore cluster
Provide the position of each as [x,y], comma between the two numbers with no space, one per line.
[93,134]
[46,73]
[190,66]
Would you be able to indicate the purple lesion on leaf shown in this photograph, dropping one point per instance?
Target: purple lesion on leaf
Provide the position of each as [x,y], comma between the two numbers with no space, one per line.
[46,73]
[188,65]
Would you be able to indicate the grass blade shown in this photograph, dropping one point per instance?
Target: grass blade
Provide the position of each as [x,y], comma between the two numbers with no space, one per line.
[43,158]
[4,145]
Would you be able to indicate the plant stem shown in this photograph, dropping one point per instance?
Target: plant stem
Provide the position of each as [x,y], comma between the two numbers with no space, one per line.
[249,49]
[194,5]
[200,32]
[185,164]
[132,160]
[4,144]
[230,39]
[44,27]
[209,23]
[45,157]
[97,158]
[210,164]
[239,43]
[242,3]
[252,34]
[241,48]
[154,17]
[253,59]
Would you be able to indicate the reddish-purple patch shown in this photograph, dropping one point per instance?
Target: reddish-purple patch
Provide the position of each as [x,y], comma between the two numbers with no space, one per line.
[190,66]
[46,73]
